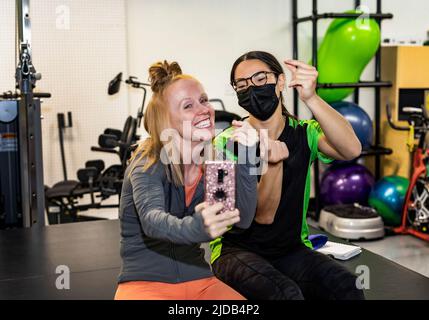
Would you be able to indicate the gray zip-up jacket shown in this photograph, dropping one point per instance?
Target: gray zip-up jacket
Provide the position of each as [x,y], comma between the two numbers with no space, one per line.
[160,236]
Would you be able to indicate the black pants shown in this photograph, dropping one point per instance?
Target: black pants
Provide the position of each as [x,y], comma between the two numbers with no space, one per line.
[300,274]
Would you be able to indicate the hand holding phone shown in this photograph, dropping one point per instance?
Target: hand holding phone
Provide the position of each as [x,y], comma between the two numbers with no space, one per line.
[216,223]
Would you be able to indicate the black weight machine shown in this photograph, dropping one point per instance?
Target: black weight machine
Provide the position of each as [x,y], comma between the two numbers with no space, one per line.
[21,158]
[63,200]
[100,183]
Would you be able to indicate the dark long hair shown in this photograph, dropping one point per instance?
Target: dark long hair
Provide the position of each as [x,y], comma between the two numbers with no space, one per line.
[271,62]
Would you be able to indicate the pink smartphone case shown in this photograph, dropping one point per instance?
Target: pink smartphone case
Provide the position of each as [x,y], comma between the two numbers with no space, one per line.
[217,188]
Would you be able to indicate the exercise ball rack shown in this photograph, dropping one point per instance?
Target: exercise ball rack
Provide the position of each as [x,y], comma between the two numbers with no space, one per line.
[377,150]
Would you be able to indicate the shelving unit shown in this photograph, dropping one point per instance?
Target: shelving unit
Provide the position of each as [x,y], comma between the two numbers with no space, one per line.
[376,150]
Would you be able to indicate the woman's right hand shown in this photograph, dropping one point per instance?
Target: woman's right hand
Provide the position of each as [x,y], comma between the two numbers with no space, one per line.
[244,133]
[215,223]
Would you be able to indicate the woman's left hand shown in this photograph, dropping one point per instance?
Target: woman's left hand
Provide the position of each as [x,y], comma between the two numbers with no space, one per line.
[304,79]
[274,150]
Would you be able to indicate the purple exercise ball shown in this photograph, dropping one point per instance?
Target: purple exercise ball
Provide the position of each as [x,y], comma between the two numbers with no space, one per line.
[345,184]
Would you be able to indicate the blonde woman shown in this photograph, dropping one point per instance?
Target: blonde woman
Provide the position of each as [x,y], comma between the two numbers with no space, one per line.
[163,217]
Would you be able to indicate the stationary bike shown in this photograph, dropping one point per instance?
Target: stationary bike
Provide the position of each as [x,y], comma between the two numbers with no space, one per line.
[415,213]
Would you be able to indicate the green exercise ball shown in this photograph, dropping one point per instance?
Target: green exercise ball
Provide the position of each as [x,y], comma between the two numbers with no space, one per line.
[348,46]
[387,197]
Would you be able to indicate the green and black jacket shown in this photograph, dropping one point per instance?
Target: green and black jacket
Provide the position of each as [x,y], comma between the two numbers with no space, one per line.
[289,228]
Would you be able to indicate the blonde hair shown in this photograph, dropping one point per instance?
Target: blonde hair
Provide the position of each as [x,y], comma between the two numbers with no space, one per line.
[156,118]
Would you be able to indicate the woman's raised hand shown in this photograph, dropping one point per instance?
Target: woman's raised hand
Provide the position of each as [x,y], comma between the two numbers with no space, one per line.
[304,79]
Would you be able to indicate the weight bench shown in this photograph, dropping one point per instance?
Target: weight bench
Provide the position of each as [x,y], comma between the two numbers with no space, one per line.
[62,199]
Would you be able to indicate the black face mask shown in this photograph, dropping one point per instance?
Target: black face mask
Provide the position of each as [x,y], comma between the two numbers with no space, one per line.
[261,102]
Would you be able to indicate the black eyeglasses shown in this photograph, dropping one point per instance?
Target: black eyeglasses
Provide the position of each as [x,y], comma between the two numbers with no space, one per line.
[258,79]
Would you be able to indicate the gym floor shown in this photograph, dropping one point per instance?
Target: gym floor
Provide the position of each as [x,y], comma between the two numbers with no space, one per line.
[405,250]
[408,251]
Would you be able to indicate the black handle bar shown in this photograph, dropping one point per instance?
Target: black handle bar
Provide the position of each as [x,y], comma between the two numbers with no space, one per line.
[10,95]
[389,119]
[420,113]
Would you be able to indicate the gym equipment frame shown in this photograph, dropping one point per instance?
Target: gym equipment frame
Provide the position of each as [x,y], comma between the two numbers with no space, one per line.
[30,135]
[377,150]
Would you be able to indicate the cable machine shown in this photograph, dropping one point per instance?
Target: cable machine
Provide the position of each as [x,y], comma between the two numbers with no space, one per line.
[22,192]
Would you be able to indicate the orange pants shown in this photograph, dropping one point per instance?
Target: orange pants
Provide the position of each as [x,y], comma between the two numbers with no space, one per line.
[203,289]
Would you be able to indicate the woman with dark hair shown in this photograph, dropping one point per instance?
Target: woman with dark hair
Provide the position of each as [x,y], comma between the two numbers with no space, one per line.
[273,259]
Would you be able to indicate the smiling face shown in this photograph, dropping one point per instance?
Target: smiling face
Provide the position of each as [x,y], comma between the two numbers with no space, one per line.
[190,111]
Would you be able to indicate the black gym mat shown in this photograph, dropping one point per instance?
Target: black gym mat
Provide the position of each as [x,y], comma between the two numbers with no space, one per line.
[28,259]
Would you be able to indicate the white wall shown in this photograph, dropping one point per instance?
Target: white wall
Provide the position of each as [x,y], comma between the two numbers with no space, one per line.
[206,36]
[7,45]
[78,46]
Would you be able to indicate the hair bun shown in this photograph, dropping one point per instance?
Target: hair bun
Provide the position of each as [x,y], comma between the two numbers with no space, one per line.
[161,73]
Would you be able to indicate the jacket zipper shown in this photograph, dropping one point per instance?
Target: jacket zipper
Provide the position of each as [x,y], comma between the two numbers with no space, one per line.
[176,267]
[173,253]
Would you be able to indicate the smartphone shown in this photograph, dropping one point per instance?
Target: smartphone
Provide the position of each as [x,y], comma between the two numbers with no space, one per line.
[220,183]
